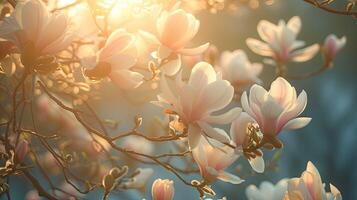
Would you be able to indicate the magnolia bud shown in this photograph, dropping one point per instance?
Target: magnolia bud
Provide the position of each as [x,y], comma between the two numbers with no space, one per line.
[332,46]
[21,150]
[163,189]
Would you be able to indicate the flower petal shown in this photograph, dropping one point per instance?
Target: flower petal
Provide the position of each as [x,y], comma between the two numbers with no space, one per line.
[298,123]
[225,118]
[229,178]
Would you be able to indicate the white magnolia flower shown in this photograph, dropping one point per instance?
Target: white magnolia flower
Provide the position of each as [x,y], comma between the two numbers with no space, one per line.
[237,69]
[120,53]
[175,29]
[280,42]
[332,46]
[277,108]
[310,187]
[141,179]
[213,159]
[163,189]
[267,191]
[239,135]
[36,31]
[195,101]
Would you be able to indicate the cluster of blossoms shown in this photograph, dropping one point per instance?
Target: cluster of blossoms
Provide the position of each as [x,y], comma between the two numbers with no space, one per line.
[199,101]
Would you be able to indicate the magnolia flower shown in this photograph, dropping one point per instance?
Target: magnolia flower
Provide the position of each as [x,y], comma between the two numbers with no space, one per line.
[267,191]
[280,42]
[163,189]
[237,69]
[332,46]
[195,101]
[140,180]
[36,31]
[277,108]
[239,135]
[116,58]
[310,187]
[213,159]
[175,29]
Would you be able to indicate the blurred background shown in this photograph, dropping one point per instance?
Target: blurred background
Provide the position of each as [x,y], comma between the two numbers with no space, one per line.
[329,141]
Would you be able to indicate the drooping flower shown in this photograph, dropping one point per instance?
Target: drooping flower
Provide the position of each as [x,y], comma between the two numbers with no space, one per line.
[35,31]
[212,160]
[162,189]
[115,60]
[310,187]
[239,134]
[332,46]
[267,190]
[280,42]
[175,29]
[277,108]
[195,101]
[237,69]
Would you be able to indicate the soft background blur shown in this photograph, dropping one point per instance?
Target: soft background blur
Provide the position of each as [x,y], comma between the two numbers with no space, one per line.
[330,141]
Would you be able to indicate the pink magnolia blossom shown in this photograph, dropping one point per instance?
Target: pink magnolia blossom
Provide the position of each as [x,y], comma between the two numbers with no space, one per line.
[332,46]
[236,68]
[239,135]
[212,160]
[121,53]
[277,108]
[32,195]
[280,42]
[310,187]
[195,101]
[163,189]
[35,30]
[175,29]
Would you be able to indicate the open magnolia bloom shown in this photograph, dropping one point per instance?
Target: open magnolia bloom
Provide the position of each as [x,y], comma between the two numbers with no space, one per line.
[115,59]
[175,29]
[280,42]
[332,46]
[277,108]
[309,187]
[195,101]
[267,191]
[240,130]
[213,159]
[35,31]
[237,69]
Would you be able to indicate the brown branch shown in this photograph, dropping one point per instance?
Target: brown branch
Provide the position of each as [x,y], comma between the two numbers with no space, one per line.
[331,10]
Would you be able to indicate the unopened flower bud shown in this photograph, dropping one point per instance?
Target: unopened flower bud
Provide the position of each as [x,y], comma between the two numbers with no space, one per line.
[332,46]
[163,189]
[21,150]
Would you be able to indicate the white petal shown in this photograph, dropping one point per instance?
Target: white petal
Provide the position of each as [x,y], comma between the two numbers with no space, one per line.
[294,24]
[259,47]
[214,133]
[202,74]
[225,118]
[298,123]
[194,136]
[257,164]
[194,51]
[126,79]
[229,178]
[172,67]
[266,30]
[305,54]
